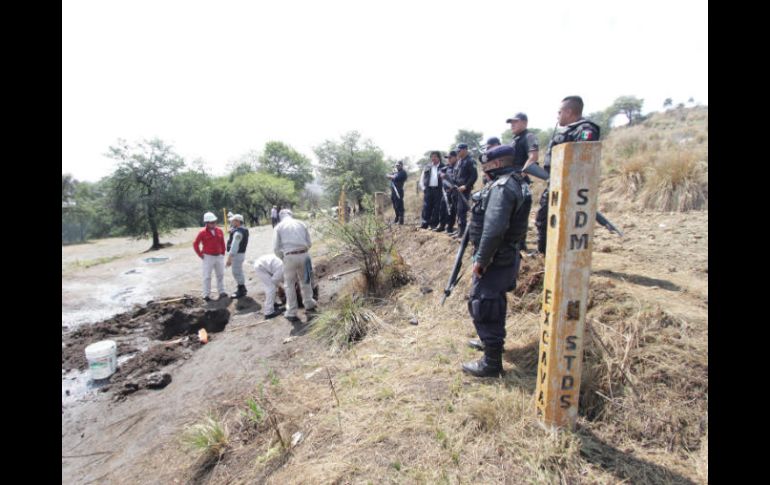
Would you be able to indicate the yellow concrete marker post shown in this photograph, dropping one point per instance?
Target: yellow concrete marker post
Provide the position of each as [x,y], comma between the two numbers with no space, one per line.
[575,170]
[341,207]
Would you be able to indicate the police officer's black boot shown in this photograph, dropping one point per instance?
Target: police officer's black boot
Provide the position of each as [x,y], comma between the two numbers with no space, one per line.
[241,291]
[491,365]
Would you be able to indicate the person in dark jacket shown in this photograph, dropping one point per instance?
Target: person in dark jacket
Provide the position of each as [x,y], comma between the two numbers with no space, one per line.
[449,213]
[465,175]
[572,127]
[499,220]
[431,184]
[397,180]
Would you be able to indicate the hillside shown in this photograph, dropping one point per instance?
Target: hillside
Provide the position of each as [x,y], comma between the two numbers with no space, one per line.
[394,407]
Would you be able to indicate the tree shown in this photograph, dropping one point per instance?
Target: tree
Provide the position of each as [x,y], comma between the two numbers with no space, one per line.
[145,193]
[87,213]
[283,161]
[630,106]
[256,193]
[668,102]
[67,187]
[353,164]
[601,118]
[240,168]
[222,193]
[472,138]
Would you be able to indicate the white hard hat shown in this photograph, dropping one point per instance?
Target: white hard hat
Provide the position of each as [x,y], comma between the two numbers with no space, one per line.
[235,217]
[209,217]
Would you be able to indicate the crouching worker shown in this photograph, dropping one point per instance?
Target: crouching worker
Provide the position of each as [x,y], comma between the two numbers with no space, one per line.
[270,272]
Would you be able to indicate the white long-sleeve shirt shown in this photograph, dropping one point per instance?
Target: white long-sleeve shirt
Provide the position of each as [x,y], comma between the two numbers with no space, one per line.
[236,244]
[269,263]
[290,235]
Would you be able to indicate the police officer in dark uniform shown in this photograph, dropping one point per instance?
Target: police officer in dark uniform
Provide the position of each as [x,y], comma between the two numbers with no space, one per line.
[466,176]
[448,181]
[499,219]
[397,191]
[572,127]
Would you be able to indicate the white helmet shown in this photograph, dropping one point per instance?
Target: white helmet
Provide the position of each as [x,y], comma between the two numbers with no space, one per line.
[209,217]
[235,217]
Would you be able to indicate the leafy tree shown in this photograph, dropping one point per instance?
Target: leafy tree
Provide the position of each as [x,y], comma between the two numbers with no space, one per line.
[283,161]
[240,168]
[353,164]
[68,183]
[87,215]
[668,102]
[474,139]
[602,118]
[144,194]
[630,106]
[222,192]
[254,194]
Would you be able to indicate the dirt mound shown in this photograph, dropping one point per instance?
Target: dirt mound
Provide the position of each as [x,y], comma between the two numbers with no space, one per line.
[144,370]
[138,332]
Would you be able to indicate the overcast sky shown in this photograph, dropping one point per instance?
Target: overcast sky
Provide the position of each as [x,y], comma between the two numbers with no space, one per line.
[217,79]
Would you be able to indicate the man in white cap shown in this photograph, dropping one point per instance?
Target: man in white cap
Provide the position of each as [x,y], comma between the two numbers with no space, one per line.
[270,272]
[291,242]
[236,247]
[213,254]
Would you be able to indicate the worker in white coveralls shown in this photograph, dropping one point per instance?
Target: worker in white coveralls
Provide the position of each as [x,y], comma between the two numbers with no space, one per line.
[270,272]
[291,243]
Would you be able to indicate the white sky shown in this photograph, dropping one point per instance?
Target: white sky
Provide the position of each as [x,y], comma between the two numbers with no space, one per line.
[218,78]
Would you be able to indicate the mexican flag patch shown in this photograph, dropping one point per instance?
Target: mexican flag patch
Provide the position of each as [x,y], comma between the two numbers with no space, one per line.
[586,135]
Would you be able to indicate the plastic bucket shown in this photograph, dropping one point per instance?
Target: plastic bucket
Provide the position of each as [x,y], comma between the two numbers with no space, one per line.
[102,359]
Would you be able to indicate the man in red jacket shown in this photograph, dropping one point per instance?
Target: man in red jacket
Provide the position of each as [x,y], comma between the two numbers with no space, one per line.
[213,254]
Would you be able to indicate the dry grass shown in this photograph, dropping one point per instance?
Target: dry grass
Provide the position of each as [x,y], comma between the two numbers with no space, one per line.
[677,182]
[395,408]
[349,321]
[661,164]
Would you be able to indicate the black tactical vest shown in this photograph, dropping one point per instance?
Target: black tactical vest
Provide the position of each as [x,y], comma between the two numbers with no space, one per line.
[244,239]
[517,224]
[569,134]
[520,150]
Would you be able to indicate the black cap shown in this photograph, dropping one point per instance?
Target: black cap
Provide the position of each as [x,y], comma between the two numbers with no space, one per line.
[399,163]
[493,141]
[452,154]
[499,152]
[462,146]
[518,117]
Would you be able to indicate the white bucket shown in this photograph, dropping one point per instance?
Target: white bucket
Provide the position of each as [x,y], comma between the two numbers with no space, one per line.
[102,359]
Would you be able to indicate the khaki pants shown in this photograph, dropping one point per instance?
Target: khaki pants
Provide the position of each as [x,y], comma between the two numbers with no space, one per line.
[298,267]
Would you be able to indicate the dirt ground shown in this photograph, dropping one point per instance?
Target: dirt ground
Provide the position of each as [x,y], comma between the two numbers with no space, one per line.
[165,376]
[112,437]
